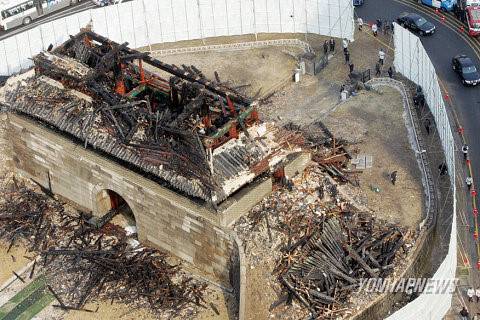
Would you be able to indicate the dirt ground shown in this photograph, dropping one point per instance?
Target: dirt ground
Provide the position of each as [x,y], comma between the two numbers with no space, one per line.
[14,260]
[107,310]
[262,69]
[379,125]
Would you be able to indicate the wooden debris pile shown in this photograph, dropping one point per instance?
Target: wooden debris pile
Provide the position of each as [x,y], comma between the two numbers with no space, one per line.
[319,244]
[331,153]
[99,92]
[83,263]
[324,266]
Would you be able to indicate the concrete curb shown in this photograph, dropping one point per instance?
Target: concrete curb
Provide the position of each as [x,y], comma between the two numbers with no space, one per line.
[412,127]
[236,46]
[425,227]
[241,294]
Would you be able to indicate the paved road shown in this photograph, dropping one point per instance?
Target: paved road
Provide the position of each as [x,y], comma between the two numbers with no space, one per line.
[84,5]
[441,47]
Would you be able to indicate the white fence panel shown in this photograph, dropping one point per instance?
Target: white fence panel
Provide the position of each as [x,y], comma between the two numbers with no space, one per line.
[219,11]
[153,22]
[13,60]
[412,61]
[274,17]
[234,16]
[300,16]
[127,25]
[139,26]
[23,49]
[180,20]
[147,22]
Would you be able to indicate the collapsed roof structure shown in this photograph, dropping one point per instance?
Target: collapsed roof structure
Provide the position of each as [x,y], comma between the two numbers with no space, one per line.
[200,136]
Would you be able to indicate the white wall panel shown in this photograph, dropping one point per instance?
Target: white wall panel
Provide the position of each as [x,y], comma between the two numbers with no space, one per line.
[13,58]
[153,21]
[35,41]
[111,24]
[412,61]
[23,49]
[138,16]
[127,24]
[4,67]
[146,22]
[261,16]
[180,20]
[220,17]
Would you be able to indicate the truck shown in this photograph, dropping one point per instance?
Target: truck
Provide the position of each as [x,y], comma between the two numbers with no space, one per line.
[468,11]
[444,5]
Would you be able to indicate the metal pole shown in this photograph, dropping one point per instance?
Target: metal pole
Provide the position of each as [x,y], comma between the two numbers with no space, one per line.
[254,20]
[200,22]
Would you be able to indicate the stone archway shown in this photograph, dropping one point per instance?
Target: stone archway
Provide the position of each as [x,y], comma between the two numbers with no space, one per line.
[106,200]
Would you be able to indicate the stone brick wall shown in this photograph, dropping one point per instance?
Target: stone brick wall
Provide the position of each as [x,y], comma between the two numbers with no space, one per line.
[5,147]
[164,218]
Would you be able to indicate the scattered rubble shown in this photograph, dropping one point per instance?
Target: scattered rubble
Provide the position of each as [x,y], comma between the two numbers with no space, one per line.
[82,262]
[319,244]
[197,136]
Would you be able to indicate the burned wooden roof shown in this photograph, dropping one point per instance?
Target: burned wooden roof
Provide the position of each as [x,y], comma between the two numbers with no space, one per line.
[200,136]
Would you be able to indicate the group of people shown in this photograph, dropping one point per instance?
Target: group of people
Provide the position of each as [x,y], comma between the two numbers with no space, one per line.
[471,294]
[329,46]
[383,26]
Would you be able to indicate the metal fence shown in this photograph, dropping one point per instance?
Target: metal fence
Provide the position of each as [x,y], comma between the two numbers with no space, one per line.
[413,62]
[146,22]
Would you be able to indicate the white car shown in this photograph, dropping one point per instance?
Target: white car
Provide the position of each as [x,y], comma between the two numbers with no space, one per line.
[102,3]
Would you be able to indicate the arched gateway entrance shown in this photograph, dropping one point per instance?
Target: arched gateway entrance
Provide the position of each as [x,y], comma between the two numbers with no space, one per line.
[108,200]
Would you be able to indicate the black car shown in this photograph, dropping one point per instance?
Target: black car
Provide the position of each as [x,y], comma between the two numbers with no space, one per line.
[465,68]
[416,23]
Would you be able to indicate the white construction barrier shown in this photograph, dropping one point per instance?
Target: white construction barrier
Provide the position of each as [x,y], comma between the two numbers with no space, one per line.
[412,61]
[146,22]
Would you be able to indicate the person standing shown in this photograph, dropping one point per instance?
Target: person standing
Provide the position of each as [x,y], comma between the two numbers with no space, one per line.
[345,44]
[393,177]
[442,168]
[379,24]
[332,45]
[360,23]
[381,56]
[390,72]
[427,124]
[477,294]
[465,151]
[470,293]
[351,66]
[347,57]
[325,47]
[378,70]
[464,314]
[469,182]
[374,29]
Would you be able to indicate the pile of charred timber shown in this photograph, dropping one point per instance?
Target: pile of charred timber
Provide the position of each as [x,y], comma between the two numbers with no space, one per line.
[83,263]
[323,265]
[99,92]
[329,152]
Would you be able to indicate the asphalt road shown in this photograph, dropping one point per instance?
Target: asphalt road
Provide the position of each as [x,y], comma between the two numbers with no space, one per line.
[441,47]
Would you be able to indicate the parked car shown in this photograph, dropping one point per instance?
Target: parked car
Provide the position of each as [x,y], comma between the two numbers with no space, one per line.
[416,23]
[102,3]
[357,3]
[466,69]
[445,5]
